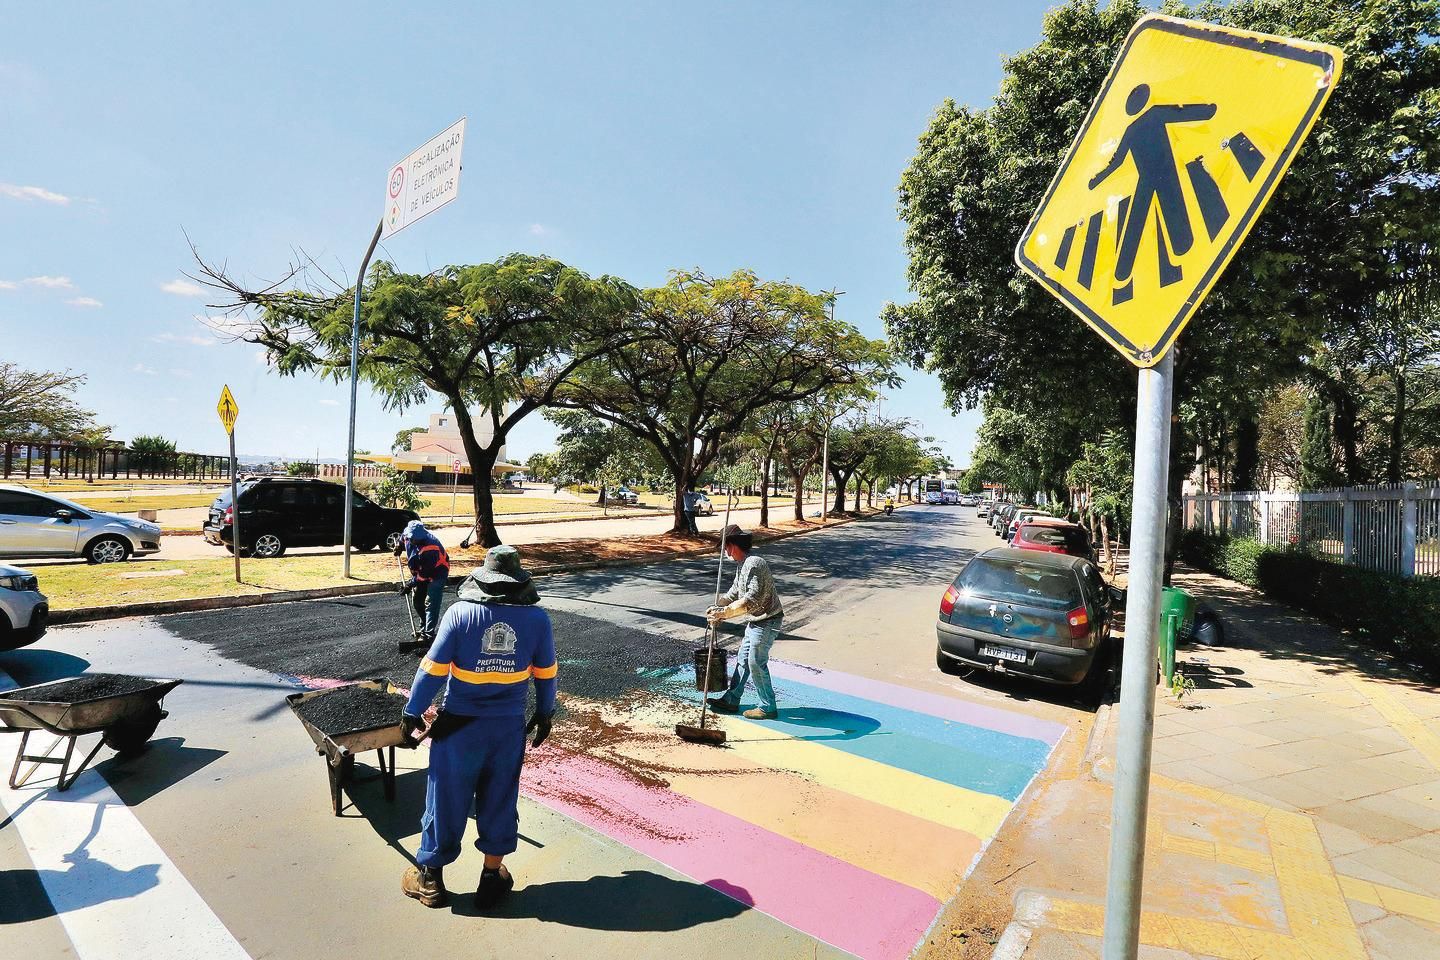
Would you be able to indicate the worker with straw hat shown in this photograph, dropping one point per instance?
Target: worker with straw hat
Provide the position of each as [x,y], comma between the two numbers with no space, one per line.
[492,642]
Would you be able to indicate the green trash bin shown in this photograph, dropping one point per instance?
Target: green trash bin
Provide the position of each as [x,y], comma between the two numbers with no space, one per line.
[1177,623]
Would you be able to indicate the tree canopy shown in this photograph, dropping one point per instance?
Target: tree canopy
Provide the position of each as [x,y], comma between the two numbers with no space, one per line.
[40,404]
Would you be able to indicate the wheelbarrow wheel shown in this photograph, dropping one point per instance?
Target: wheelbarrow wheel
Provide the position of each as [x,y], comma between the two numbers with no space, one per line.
[129,737]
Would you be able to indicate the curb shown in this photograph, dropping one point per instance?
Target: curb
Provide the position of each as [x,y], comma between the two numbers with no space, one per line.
[163,607]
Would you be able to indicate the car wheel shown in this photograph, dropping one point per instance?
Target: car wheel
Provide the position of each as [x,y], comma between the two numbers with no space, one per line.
[108,550]
[267,546]
[394,539]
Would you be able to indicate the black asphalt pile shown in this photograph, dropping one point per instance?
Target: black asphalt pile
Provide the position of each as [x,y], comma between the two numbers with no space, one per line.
[352,709]
[605,661]
[93,686]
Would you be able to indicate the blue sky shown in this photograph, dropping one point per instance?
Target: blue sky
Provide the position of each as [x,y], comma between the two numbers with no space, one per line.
[622,138]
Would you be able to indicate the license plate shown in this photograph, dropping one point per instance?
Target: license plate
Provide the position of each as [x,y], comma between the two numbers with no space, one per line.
[1002,653]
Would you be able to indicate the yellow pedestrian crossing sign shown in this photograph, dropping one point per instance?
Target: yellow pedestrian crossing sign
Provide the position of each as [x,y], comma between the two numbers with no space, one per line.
[1182,149]
[228,409]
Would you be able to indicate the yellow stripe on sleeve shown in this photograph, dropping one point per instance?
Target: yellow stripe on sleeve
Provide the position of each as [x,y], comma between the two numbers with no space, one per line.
[433,668]
[545,673]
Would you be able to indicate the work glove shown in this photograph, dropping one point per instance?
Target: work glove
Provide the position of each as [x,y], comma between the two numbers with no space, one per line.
[540,723]
[410,725]
[407,586]
[398,551]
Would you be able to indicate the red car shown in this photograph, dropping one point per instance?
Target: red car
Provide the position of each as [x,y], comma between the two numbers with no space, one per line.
[1053,536]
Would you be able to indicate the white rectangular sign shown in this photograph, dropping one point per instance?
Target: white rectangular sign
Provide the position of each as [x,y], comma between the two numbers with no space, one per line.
[424,181]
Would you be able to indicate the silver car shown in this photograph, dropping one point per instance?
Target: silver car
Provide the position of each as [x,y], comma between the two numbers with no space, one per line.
[36,524]
[24,610]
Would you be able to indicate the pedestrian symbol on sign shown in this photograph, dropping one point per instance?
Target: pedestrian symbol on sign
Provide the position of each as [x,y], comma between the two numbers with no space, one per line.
[1185,144]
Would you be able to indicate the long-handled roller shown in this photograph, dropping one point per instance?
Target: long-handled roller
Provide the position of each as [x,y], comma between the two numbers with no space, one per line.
[703,734]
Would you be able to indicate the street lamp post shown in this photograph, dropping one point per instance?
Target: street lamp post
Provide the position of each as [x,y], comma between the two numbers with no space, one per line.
[354,387]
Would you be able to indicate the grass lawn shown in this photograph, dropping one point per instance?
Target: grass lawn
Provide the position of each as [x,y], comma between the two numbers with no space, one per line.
[146,500]
[120,485]
[439,506]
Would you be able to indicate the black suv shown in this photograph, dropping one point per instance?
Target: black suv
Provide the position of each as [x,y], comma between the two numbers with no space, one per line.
[281,512]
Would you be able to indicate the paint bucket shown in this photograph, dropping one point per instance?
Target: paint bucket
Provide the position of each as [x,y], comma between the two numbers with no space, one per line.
[719,676]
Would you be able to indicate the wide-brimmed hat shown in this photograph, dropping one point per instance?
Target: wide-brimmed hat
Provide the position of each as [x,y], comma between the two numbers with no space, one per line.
[501,580]
[736,534]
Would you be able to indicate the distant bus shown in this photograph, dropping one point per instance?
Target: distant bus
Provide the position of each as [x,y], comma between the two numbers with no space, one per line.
[934,490]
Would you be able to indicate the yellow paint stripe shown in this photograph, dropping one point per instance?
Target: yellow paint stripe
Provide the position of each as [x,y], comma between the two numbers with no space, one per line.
[1207,937]
[975,813]
[545,673]
[433,668]
[470,676]
[1392,899]
[1314,904]
[1400,717]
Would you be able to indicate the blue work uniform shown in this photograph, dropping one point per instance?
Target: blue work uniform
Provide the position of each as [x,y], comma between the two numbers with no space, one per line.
[429,571]
[483,657]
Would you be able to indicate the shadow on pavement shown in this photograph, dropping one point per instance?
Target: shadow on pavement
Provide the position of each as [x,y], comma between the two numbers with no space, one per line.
[838,724]
[391,821]
[637,901]
[31,666]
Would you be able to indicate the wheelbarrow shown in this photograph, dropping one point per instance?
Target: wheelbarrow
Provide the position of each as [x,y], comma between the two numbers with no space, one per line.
[340,747]
[125,722]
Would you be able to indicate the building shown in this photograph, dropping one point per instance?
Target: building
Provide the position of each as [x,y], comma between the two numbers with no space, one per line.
[434,451]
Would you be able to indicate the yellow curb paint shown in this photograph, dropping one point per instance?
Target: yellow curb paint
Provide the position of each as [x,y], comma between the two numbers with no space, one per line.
[1400,717]
[1392,899]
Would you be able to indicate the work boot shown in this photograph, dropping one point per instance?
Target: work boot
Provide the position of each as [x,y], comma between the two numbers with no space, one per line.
[424,884]
[756,713]
[720,705]
[494,884]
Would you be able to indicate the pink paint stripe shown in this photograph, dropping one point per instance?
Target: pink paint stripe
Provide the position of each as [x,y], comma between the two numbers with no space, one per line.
[834,901]
[949,708]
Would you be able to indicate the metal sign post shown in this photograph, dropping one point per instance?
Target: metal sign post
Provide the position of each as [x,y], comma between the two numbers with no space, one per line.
[454,485]
[229,412]
[417,186]
[1184,145]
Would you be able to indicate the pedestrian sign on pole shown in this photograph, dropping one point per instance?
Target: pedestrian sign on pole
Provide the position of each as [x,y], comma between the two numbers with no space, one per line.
[228,409]
[1182,149]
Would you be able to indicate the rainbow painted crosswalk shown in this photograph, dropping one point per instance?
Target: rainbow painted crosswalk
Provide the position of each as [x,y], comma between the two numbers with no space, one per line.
[852,817]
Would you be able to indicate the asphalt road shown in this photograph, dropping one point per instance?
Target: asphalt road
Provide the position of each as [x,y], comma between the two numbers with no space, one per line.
[840,829]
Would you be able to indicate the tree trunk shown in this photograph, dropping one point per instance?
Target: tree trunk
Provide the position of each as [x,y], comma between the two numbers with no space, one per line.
[765,485]
[482,462]
[1394,469]
[799,480]
[1105,541]
[1347,435]
[841,482]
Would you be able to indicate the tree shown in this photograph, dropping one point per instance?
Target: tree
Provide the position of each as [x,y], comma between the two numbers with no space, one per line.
[1360,196]
[707,353]
[588,446]
[543,467]
[498,338]
[1317,457]
[39,404]
[401,443]
[1105,474]
[152,454]
[1282,429]
[395,490]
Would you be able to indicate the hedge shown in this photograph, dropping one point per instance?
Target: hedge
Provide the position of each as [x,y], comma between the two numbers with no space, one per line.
[1399,612]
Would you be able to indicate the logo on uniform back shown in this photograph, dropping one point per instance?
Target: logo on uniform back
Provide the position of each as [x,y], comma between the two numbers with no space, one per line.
[499,638]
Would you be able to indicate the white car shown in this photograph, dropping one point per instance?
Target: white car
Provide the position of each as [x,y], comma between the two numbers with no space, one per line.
[24,610]
[34,524]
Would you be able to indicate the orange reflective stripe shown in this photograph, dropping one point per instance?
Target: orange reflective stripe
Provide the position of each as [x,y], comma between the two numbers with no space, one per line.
[545,673]
[470,676]
[433,668]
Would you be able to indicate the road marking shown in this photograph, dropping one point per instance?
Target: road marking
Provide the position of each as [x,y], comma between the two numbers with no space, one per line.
[113,889]
[1392,899]
[1398,715]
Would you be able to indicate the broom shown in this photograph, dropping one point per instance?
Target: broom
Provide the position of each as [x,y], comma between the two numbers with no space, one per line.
[414,642]
[702,734]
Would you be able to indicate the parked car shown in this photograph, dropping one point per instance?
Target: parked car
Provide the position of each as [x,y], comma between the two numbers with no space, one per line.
[34,524]
[277,513]
[1053,536]
[952,497]
[985,507]
[1002,516]
[622,496]
[703,506]
[24,610]
[1020,517]
[969,500]
[1041,615]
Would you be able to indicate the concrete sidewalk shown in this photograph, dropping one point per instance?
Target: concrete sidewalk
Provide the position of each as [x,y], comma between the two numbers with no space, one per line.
[1294,811]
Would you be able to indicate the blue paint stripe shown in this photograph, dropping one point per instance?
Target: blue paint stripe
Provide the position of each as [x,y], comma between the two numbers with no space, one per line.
[956,753]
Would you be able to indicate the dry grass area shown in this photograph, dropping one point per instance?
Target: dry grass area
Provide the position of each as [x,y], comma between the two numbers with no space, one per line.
[73,586]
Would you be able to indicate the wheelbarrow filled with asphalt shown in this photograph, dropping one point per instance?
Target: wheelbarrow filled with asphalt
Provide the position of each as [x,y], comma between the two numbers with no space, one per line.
[123,709]
[350,719]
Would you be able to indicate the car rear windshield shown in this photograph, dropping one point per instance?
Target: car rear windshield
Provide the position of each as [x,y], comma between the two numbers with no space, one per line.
[1069,538]
[1016,581]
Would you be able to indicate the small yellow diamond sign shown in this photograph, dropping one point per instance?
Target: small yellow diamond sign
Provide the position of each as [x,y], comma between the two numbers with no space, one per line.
[228,409]
[1182,149]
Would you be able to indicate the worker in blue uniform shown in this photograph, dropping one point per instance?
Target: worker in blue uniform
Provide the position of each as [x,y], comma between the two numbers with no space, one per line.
[429,572]
[491,643]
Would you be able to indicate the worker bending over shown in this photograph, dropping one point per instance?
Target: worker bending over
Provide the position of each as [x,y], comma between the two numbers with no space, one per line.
[429,572]
[491,642]
[752,600]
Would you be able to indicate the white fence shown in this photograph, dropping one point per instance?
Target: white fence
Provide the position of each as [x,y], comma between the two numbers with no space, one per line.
[1391,528]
